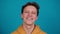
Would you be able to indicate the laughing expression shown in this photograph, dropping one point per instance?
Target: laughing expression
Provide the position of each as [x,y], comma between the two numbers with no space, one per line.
[29,15]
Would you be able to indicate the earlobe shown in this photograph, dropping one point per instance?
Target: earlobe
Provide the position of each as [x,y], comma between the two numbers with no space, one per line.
[21,16]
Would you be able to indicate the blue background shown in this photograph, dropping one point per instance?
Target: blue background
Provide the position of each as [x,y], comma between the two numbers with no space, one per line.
[48,19]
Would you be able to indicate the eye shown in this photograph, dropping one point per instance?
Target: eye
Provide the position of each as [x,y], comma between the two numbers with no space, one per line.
[26,12]
[33,12]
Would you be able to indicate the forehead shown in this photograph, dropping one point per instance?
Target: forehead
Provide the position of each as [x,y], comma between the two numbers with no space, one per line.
[31,8]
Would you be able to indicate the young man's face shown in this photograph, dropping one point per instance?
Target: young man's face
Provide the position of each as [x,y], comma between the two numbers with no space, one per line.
[29,15]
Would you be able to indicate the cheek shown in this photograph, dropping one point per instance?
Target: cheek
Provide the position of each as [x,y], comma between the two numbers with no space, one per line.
[24,15]
[35,17]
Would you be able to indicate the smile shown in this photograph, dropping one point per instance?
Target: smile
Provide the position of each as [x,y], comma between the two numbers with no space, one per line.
[29,18]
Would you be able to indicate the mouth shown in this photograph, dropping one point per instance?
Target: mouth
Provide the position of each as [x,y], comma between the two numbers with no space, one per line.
[29,19]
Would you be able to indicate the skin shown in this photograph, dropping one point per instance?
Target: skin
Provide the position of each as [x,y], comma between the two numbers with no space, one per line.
[29,17]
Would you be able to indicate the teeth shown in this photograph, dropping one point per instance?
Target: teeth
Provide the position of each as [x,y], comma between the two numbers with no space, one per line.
[29,18]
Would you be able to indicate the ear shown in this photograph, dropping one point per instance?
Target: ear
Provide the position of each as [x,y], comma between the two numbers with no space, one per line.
[21,15]
[36,18]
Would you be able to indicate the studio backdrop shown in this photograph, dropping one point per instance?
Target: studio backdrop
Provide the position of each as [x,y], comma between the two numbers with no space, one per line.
[48,19]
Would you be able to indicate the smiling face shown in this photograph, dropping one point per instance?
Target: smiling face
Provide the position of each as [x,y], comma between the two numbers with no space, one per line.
[29,15]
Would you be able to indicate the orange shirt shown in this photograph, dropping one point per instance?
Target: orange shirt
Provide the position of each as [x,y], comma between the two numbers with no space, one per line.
[36,30]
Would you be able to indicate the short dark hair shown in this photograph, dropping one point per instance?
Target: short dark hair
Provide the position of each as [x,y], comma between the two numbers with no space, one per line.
[32,4]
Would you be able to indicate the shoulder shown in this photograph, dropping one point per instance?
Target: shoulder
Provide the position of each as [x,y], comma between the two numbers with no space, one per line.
[40,31]
[17,31]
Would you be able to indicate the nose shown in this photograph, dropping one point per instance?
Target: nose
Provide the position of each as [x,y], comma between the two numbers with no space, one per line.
[29,14]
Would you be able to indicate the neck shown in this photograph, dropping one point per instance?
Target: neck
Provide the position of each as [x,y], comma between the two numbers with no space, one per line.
[28,28]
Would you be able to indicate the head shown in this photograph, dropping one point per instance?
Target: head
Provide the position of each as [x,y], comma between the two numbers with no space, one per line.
[30,13]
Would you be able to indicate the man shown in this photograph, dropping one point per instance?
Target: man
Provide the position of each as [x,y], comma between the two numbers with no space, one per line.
[29,14]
